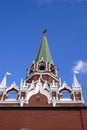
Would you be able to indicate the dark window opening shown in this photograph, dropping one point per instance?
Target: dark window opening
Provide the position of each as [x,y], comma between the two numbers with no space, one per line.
[52,68]
[42,67]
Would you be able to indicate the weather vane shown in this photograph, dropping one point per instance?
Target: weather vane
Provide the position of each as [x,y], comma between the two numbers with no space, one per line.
[45,31]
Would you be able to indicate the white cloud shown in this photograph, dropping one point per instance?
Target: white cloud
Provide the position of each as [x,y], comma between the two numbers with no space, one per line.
[80,66]
[49,1]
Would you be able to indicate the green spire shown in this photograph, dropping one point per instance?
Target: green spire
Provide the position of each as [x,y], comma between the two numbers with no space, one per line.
[44,51]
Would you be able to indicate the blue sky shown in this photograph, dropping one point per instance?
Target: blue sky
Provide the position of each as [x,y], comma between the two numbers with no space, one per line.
[21,25]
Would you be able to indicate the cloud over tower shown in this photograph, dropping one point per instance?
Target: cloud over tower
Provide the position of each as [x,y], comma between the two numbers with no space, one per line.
[80,66]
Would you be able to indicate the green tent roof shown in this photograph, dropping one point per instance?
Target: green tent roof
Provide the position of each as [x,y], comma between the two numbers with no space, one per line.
[44,51]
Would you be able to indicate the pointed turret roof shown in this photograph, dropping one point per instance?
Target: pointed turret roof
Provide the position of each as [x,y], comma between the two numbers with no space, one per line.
[75,81]
[44,51]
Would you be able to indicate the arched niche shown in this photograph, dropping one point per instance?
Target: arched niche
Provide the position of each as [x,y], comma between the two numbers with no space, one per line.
[65,93]
[52,68]
[12,94]
[38,100]
[42,66]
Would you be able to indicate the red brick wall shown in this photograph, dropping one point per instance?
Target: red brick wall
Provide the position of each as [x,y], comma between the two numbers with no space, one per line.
[84,119]
[43,119]
[38,100]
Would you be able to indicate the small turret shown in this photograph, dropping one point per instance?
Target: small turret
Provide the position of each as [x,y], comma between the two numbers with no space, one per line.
[75,81]
[77,89]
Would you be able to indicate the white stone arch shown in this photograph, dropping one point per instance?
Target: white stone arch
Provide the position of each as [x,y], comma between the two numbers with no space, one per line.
[38,88]
[65,91]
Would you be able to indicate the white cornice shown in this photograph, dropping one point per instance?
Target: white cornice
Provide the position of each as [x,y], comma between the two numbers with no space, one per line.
[38,73]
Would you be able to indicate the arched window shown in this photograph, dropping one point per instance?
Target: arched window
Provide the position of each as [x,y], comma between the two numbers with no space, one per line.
[52,68]
[66,94]
[42,67]
[12,94]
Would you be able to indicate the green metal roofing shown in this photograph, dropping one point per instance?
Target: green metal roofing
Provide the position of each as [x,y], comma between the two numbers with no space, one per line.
[44,51]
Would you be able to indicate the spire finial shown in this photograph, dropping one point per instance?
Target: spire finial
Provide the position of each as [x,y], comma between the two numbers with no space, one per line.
[44,32]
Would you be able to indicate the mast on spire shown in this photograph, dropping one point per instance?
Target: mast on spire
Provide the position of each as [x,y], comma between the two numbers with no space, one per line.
[44,32]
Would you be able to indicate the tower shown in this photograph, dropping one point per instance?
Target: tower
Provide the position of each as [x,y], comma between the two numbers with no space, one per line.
[42,86]
[42,77]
